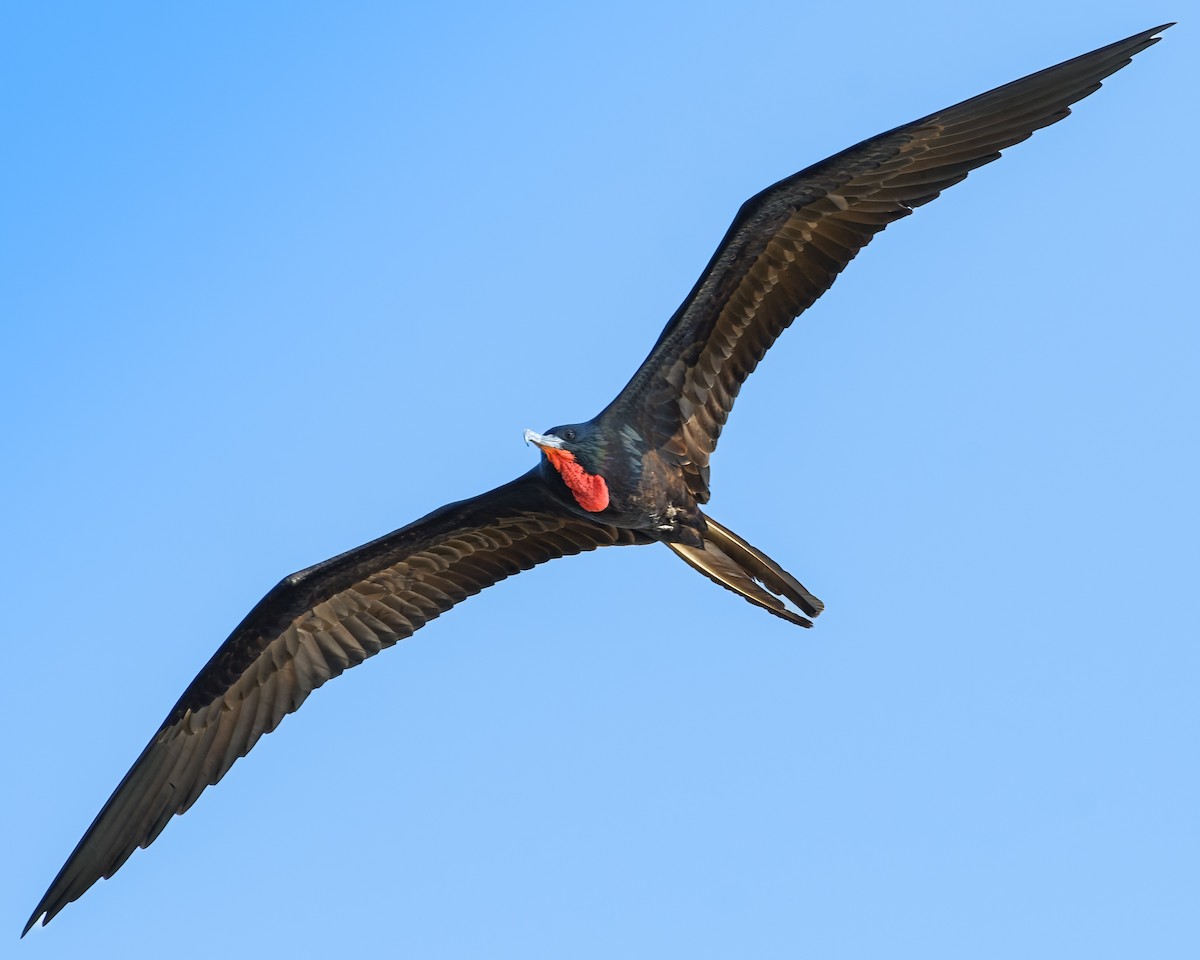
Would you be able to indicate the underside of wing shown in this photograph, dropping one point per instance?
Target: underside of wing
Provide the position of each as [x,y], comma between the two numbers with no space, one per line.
[788,244]
[311,627]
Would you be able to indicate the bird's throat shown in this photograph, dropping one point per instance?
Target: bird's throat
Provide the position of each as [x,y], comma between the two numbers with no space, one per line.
[589,489]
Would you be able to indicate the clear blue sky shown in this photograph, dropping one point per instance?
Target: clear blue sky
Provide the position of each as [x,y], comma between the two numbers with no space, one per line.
[278,278]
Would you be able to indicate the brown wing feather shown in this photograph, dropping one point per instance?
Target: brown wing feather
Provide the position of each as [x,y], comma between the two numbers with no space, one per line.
[311,627]
[788,244]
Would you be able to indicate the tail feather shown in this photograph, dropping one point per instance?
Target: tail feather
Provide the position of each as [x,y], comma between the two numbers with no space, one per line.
[729,560]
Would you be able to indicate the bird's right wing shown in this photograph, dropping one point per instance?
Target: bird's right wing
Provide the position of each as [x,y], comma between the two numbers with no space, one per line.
[788,244]
[307,630]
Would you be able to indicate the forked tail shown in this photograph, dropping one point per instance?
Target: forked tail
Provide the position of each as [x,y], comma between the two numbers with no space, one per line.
[729,560]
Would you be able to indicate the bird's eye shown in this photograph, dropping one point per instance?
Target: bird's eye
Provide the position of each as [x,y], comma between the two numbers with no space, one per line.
[568,435]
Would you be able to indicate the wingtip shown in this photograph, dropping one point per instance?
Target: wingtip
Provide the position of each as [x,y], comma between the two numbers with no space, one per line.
[33,921]
[1151,36]
[42,915]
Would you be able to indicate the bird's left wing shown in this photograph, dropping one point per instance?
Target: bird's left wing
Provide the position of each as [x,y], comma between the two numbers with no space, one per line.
[308,629]
[787,245]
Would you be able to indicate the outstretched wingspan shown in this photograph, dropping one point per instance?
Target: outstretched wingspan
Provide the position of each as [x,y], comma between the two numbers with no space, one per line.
[788,243]
[307,630]
[632,475]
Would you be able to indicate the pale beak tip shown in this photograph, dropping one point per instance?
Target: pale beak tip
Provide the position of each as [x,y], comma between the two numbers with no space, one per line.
[543,441]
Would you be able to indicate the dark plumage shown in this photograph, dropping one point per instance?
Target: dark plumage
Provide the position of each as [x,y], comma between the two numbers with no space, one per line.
[637,473]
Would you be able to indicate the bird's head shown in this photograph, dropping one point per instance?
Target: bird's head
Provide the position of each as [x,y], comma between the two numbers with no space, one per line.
[573,450]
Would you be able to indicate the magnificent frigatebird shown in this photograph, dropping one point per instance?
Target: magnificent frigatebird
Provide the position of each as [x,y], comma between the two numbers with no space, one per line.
[636,473]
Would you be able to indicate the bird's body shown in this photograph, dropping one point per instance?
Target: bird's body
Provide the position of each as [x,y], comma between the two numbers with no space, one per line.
[635,474]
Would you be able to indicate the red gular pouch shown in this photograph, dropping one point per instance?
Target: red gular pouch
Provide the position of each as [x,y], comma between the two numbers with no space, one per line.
[589,489]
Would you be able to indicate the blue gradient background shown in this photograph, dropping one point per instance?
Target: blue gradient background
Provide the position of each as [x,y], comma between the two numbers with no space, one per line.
[278,278]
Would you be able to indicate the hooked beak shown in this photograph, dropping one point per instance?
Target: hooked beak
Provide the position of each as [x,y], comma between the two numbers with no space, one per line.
[547,442]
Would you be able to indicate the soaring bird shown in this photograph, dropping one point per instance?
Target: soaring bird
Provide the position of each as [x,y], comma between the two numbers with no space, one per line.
[636,473]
